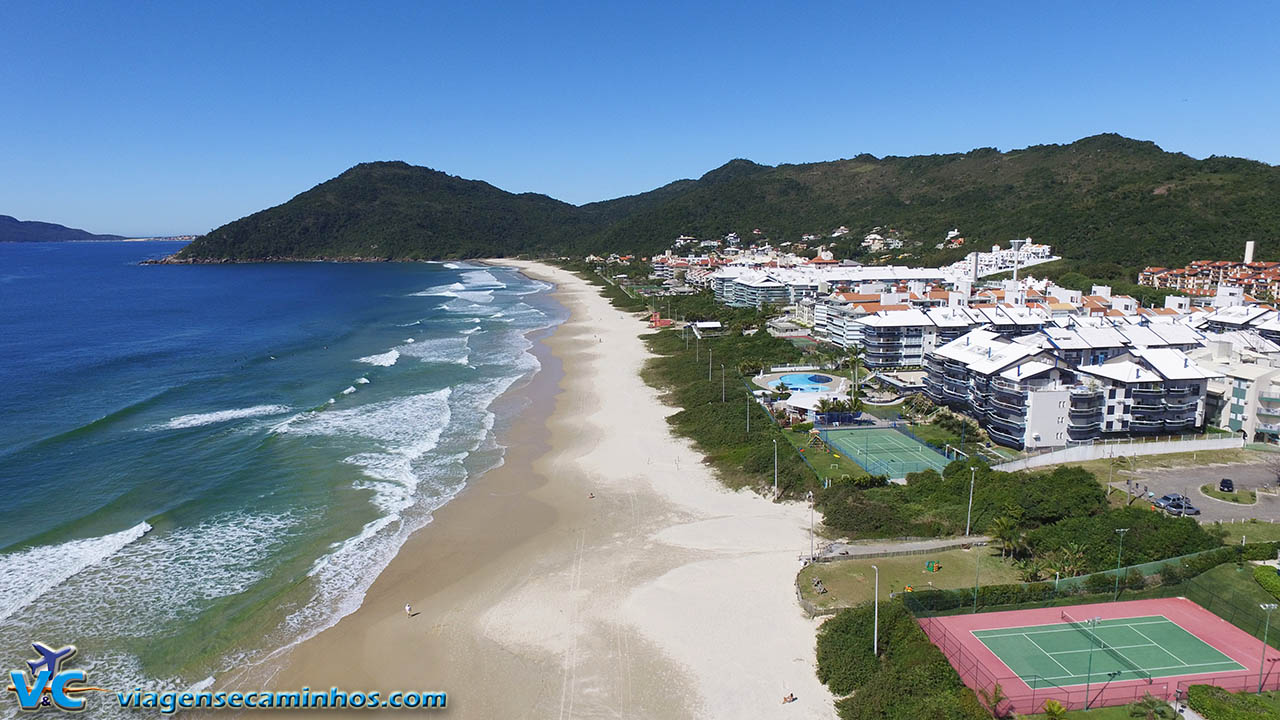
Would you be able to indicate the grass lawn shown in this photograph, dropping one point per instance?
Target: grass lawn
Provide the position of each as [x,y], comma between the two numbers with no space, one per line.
[852,582]
[1251,532]
[823,462]
[888,412]
[1114,467]
[1243,497]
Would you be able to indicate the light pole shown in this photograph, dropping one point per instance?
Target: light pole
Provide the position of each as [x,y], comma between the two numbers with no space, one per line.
[721,382]
[1268,607]
[1119,553]
[748,414]
[973,474]
[875,632]
[708,364]
[810,526]
[1088,678]
[775,467]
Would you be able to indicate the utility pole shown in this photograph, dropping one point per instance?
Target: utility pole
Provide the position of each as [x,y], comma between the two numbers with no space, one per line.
[1119,553]
[721,382]
[748,414]
[708,364]
[973,474]
[775,467]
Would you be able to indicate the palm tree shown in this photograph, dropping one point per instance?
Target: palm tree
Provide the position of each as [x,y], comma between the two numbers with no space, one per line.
[1031,570]
[1150,708]
[1054,710]
[855,393]
[1004,530]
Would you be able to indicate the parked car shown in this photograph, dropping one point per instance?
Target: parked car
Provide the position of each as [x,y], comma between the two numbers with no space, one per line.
[1163,501]
[1181,507]
[1226,485]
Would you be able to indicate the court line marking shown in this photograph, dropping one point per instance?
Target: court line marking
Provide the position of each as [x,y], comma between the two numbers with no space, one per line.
[1152,671]
[1051,657]
[1162,647]
[1067,628]
[1114,647]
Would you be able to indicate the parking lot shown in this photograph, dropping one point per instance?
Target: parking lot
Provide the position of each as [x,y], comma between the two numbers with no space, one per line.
[1187,481]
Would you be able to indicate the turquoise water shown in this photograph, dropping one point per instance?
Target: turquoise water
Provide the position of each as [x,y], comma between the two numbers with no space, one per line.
[803,382]
[201,464]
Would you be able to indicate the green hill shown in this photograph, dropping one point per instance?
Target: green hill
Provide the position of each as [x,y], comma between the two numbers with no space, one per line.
[1102,199]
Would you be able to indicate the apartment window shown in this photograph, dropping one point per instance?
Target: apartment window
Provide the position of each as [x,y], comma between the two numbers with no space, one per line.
[1111,410]
[1112,395]
[1061,420]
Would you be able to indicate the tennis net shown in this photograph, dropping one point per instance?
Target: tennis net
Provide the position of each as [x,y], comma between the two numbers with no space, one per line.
[1083,628]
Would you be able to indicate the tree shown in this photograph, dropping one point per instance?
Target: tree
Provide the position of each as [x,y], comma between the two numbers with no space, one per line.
[1150,708]
[1054,710]
[1004,529]
[1031,570]
[855,392]
[992,699]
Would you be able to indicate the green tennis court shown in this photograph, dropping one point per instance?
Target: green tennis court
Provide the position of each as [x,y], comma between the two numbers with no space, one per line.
[1077,651]
[885,451]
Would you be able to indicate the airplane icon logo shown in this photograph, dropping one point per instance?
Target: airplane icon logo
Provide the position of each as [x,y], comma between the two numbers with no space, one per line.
[50,683]
[49,658]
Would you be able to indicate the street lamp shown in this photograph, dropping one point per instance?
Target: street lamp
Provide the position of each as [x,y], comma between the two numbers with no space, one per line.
[875,632]
[973,473]
[721,382]
[708,364]
[810,498]
[775,467]
[1268,607]
[1120,532]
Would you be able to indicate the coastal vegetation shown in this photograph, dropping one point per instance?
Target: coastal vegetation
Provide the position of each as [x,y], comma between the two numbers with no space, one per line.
[1107,203]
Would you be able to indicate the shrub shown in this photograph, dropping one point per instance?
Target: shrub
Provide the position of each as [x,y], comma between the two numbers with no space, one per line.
[1268,579]
[1214,703]
[802,427]
[1099,583]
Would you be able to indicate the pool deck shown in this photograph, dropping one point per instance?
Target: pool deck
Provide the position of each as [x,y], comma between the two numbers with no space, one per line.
[838,384]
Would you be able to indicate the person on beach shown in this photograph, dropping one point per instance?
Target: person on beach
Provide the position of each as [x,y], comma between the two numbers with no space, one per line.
[408,610]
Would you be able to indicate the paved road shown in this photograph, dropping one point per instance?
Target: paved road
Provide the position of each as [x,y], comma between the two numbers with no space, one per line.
[1188,481]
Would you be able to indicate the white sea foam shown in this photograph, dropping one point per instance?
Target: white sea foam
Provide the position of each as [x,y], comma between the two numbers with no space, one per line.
[404,431]
[409,340]
[362,381]
[386,359]
[476,296]
[198,419]
[476,279]
[440,290]
[440,350]
[470,330]
[350,389]
[29,574]
[452,266]
[174,576]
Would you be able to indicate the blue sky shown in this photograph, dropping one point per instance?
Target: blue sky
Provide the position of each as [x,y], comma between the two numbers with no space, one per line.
[169,117]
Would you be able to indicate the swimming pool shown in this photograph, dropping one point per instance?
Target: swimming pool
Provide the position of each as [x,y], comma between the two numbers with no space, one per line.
[802,382]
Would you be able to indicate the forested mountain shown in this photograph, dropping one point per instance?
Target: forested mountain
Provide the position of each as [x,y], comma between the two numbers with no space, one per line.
[15,230]
[1101,199]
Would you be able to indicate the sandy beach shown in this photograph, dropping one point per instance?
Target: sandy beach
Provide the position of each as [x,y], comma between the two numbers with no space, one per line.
[664,596]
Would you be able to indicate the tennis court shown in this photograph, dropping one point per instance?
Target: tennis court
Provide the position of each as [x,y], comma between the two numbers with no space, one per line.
[1077,651]
[884,451]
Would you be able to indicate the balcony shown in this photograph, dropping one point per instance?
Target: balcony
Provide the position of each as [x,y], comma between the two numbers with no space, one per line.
[1006,439]
[1008,423]
[1001,400]
[1181,391]
[1082,391]
[1145,405]
[1148,392]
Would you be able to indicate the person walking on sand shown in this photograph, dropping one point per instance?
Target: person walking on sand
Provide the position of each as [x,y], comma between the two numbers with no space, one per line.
[408,610]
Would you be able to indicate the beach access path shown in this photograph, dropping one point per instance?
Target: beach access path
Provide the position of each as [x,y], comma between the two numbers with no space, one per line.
[601,572]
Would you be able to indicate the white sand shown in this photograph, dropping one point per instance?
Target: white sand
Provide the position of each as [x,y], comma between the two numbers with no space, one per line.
[727,611]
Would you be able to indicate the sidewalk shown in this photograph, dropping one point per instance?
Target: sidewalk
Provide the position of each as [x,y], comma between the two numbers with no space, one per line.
[890,548]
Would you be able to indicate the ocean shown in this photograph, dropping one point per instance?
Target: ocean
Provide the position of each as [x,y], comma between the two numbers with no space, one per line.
[201,465]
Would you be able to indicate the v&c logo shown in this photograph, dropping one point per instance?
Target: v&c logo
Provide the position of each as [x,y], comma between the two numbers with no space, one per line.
[50,684]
